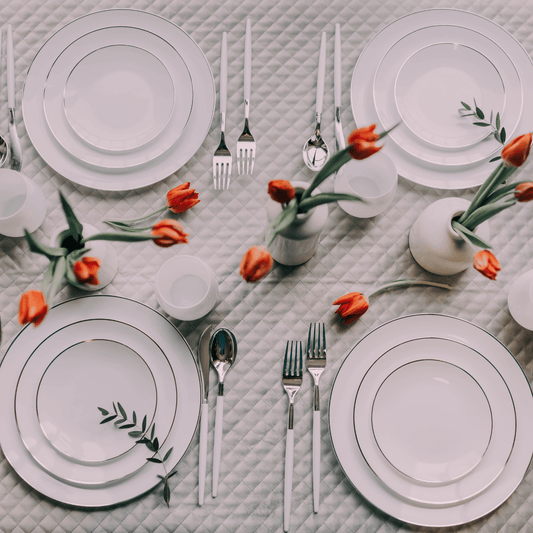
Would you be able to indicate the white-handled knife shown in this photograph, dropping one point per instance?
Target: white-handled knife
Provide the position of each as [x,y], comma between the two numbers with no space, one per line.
[203,358]
[337,82]
[14,142]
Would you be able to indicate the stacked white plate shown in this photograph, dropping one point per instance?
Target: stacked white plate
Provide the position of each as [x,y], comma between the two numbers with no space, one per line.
[430,420]
[88,353]
[118,99]
[416,72]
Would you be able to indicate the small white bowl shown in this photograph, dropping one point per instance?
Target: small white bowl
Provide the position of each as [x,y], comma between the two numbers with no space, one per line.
[373,179]
[186,287]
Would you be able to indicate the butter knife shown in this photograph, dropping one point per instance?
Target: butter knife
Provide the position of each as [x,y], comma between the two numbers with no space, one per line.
[337,78]
[14,142]
[203,357]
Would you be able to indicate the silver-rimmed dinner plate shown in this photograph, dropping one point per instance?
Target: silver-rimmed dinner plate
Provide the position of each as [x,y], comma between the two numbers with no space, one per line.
[101,42]
[352,371]
[494,61]
[435,421]
[163,165]
[79,449]
[181,360]
[412,166]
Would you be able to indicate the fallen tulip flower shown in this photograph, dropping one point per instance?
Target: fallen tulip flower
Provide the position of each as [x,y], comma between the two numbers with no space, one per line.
[486,263]
[256,263]
[32,308]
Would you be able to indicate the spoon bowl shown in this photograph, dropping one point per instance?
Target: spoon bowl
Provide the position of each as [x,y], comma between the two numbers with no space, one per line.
[315,150]
[4,150]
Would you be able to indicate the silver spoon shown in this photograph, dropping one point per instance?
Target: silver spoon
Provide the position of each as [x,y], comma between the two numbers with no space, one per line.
[223,351]
[315,150]
[4,151]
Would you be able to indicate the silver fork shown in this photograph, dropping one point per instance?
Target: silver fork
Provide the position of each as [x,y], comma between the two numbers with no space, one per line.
[222,156]
[316,362]
[246,146]
[291,381]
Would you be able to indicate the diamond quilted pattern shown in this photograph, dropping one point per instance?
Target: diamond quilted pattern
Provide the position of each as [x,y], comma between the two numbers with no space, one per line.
[353,255]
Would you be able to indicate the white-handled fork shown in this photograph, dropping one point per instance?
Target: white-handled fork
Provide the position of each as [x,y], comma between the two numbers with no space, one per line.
[246,145]
[222,156]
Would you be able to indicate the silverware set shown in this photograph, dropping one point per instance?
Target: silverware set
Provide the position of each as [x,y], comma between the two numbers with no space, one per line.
[246,145]
[292,378]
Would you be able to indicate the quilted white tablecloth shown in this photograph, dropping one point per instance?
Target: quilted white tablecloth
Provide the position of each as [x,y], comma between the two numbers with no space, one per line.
[353,255]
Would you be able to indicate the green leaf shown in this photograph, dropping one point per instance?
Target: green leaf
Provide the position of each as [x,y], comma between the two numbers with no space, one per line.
[485,212]
[497,158]
[166,494]
[470,235]
[325,198]
[503,136]
[284,219]
[60,269]
[143,429]
[498,121]
[105,412]
[466,106]
[127,426]
[76,228]
[172,474]
[153,432]
[76,255]
[121,421]
[134,416]
[122,411]
[135,434]
[144,440]
[39,248]
[480,113]
[150,446]
[108,419]
[154,460]
[47,278]
[115,408]
[123,237]
[167,455]
[156,444]
[482,124]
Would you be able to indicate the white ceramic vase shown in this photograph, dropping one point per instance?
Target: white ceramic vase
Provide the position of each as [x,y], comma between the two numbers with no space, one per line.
[299,242]
[99,249]
[435,245]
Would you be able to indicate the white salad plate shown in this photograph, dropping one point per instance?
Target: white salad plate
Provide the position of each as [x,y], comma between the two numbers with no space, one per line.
[120,97]
[349,377]
[62,382]
[496,63]
[182,363]
[161,166]
[56,92]
[435,421]
[412,166]
[434,79]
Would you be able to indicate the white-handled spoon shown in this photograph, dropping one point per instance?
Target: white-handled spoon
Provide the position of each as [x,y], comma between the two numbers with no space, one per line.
[223,351]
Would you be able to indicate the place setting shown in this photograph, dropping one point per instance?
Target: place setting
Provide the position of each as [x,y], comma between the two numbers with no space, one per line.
[170,352]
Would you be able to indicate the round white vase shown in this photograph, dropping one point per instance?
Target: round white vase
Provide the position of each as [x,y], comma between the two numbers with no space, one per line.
[99,249]
[299,242]
[435,245]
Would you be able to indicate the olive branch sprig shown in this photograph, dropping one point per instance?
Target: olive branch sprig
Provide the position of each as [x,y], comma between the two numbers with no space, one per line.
[497,130]
[122,421]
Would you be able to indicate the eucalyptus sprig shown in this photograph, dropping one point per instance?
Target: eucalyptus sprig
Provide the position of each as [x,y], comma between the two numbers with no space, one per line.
[497,129]
[122,421]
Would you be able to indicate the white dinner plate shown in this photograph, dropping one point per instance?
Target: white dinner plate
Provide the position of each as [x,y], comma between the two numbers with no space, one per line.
[162,166]
[184,367]
[352,371]
[111,383]
[432,82]
[119,97]
[411,166]
[444,447]
[55,93]
[390,69]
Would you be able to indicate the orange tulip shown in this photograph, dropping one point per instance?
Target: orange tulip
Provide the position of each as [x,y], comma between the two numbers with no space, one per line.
[352,306]
[281,191]
[363,142]
[524,192]
[86,270]
[181,198]
[486,263]
[256,263]
[169,232]
[515,153]
[32,308]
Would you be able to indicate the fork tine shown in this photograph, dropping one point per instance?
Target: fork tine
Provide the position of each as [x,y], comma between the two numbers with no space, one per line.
[323,340]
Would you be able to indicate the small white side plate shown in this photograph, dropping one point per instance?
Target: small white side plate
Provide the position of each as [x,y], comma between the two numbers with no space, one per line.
[119,97]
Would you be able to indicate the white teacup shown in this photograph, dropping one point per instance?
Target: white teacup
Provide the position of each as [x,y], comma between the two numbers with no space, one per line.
[373,179]
[520,299]
[22,204]
[186,287]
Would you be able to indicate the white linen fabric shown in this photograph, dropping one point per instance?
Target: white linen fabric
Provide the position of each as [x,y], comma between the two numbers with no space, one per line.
[354,255]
